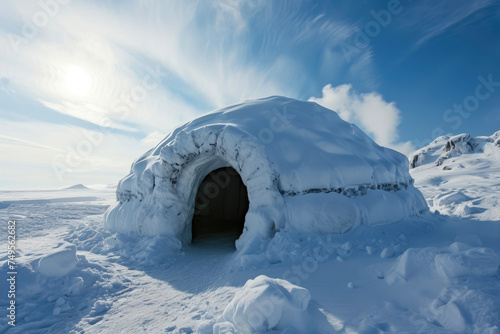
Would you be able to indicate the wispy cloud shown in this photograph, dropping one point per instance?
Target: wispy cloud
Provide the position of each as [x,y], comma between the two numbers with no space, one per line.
[434,18]
[155,64]
[13,141]
[115,44]
[34,149]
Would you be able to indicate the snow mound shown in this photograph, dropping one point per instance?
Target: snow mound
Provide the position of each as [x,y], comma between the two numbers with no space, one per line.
[474,261]
[57,288]
[456,285]
[451,198]
[458,260]
[303,167]
[266,304]
[59,262]
[410,264]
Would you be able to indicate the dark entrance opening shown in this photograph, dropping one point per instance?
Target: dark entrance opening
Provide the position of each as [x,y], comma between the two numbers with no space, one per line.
[220,206]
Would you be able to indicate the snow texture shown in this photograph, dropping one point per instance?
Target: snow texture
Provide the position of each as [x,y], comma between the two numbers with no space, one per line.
[59,262]
[265,304]
[460,175]
[467,278]
[427,274]
[444,148]
[275,305]
[304,168]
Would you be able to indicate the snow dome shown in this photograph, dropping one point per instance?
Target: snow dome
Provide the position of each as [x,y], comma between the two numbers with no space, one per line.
[262,166]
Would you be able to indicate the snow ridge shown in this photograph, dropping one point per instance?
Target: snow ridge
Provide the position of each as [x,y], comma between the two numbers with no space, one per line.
[452,147]
[460,175]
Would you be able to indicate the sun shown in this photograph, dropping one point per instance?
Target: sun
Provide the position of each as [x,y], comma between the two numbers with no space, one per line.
[78,81]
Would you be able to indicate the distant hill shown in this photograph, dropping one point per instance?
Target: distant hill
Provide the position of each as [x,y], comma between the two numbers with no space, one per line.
[77,186]
[460,175]
[458,151]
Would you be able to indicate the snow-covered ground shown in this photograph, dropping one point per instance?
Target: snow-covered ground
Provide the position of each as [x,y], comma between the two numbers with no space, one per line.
[460,175]
[435,273]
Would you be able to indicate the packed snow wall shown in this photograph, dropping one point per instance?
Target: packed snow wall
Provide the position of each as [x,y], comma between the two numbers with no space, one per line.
[304,168]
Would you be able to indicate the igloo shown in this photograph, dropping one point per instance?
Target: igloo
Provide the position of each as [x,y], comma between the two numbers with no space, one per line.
[262,166]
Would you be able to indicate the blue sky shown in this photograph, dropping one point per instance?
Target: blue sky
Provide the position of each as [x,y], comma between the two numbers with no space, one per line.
[86,87]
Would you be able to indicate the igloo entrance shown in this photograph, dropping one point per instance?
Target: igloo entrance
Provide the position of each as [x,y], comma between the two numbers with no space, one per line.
[318,174]
[220,206]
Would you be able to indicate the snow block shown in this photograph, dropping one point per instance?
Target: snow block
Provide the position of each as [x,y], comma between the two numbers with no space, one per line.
[59,262]
[411,263]
[265,304]
[303,167]
[475,261]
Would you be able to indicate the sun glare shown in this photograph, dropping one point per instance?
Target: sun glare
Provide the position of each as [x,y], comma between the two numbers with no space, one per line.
[78,81]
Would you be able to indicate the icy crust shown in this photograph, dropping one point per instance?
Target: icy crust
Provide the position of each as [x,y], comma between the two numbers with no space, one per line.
[287,152]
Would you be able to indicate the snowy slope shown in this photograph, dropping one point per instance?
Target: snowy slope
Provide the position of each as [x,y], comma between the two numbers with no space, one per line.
[460,175]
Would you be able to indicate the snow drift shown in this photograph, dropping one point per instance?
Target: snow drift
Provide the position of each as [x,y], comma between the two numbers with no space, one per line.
[451,285]
[304,169]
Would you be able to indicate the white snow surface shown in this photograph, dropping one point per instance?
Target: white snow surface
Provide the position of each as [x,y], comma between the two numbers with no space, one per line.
[304,169]
[426,274]
[268,304]
[460,175]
